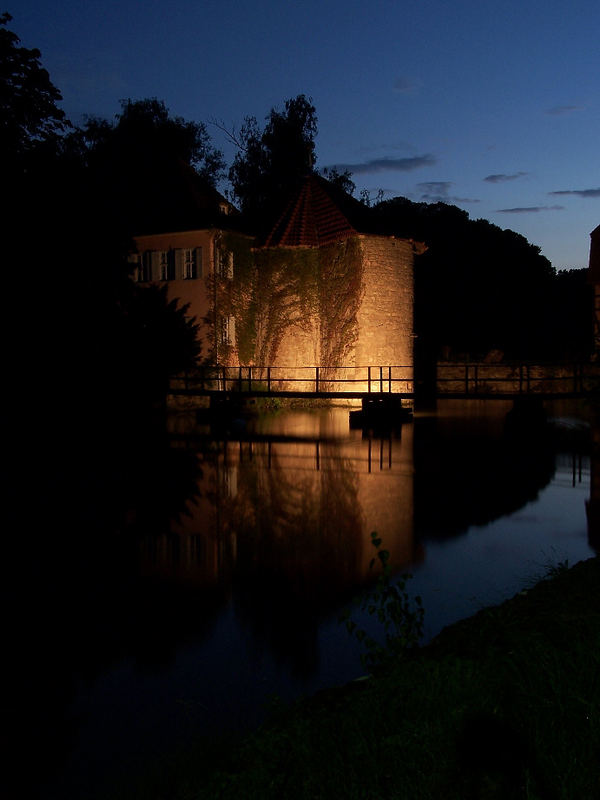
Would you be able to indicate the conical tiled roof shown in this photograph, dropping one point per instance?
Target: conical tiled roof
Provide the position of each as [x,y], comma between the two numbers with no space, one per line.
[311,219]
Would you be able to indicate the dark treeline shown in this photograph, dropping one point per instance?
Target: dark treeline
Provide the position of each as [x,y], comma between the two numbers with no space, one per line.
[481,288]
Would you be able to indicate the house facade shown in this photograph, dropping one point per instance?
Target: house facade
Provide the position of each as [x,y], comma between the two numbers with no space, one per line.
[317,292]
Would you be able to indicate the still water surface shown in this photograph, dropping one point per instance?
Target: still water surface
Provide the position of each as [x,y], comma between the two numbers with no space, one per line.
[210,576]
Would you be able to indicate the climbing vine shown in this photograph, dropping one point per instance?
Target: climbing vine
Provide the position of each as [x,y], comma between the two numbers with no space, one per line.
[340,295]
[278,290]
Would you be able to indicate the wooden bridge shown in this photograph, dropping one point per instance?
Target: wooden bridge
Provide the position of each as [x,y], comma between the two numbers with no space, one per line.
[296,382]
[391,384]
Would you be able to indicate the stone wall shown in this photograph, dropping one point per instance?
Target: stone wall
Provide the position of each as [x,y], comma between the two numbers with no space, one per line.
[386,316]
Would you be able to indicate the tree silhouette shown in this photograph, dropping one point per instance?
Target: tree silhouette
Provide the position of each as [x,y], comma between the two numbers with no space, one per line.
[149,166]
[84,341]
[28,110]
[271,162]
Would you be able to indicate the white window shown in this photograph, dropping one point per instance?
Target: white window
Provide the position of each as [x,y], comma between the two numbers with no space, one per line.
[192,263]
[166,265]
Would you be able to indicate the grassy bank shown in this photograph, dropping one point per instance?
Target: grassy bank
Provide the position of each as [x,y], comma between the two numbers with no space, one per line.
[505,704]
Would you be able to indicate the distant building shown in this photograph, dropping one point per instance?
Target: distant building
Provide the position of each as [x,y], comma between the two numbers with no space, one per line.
[595,281]
[320,290]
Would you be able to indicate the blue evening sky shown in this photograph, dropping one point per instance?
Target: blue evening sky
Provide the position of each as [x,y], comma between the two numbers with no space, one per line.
[492,106]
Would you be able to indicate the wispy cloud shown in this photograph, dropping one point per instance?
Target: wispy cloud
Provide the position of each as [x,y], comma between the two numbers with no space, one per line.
[578,192]
[439,192]
[503,177]
[405,85]
[557,110]
[388,164]
[528,209]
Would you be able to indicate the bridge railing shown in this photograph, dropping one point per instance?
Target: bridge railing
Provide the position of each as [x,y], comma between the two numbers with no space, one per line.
[267,380]
[477,378]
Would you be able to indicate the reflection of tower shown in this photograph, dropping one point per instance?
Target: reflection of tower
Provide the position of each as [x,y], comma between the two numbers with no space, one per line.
[593,504]
[385,494]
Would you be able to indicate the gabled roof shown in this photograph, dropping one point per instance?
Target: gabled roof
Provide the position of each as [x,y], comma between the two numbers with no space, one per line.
[311,219]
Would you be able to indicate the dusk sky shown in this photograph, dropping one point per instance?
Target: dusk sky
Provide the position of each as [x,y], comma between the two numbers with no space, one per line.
[491,106]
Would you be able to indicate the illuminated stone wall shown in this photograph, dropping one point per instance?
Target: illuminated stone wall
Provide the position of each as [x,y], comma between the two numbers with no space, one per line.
[386,316]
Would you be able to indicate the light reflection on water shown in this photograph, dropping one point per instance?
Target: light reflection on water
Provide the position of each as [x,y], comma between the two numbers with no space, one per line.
[237,598]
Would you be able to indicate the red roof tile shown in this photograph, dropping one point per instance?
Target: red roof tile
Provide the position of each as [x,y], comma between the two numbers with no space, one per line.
[311,219]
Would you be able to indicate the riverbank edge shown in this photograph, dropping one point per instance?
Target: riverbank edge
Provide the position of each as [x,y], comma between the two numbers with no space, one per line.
[505,703]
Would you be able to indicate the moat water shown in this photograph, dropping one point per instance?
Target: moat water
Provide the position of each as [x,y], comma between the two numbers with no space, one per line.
[176,588]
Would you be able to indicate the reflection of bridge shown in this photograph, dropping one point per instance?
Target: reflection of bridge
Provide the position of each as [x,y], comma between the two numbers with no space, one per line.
[317,451]
[391,383]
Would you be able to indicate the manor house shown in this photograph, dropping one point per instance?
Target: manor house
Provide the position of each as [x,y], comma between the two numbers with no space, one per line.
[319,290]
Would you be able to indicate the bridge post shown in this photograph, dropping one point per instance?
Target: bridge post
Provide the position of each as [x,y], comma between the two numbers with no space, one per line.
[381,379]
[268,379]
[390,379]
[369,378]
[466,379]
[317,380]
[249,379]
[240,378]
[520,378]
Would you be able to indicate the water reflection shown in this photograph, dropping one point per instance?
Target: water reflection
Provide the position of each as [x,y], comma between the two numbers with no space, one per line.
[149,551]
[281,524]
[481,468]
[593,504]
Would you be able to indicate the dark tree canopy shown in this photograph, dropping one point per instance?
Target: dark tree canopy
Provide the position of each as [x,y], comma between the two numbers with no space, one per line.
[144,131]
[478,287]
[272,161]
[149,165]
[341,180]
[28,110]
[92,343]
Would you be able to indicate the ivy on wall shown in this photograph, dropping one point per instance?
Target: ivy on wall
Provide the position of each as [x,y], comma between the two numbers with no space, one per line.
[278,290]
[341,291]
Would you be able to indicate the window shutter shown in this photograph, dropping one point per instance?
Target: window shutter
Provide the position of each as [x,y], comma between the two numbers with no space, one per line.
[199,265]
[171,265]
[230,265]
[179,269]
